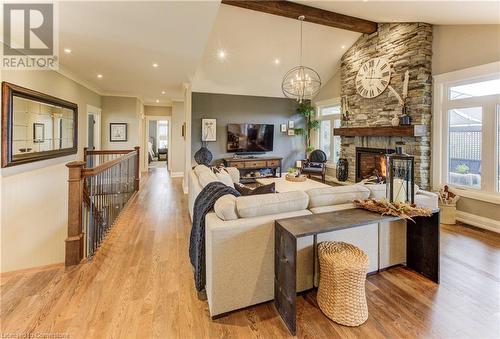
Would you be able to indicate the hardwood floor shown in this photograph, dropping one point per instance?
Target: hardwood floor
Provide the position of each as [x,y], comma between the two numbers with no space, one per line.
[140,286]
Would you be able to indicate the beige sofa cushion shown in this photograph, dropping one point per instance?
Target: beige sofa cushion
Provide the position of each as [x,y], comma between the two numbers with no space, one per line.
[207,177]
[332,208]
[273,203]
[378,191]
[336,195]
[225,207]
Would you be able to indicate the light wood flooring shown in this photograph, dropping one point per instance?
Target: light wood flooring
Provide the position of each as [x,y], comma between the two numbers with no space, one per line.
[140,286]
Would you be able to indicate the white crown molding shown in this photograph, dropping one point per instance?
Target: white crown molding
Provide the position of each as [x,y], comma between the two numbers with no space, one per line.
[72,76]
[478,221]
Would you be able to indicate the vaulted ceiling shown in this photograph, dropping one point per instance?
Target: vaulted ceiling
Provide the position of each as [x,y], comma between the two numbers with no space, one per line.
[261,48]
[122,39]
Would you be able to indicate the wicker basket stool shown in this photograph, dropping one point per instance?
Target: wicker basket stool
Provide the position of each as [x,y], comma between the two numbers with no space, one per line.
[342,274]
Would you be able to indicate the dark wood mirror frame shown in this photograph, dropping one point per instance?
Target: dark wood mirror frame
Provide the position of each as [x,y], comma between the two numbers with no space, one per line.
[8,92]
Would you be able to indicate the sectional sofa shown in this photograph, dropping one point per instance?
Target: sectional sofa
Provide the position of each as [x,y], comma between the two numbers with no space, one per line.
[240,237]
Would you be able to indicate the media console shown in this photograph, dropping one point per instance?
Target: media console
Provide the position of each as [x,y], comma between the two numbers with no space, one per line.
[248,167]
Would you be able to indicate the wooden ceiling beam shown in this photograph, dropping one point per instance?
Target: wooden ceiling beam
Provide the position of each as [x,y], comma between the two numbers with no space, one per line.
[319,16]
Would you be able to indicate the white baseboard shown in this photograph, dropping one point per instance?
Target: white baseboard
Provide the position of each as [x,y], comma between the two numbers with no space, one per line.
[481,222]
[177,174]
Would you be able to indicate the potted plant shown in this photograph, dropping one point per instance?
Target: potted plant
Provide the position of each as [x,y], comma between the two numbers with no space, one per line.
[308,111]
[448,206]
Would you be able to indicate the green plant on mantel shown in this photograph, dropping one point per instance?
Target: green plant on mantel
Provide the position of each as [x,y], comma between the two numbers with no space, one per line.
[307,110]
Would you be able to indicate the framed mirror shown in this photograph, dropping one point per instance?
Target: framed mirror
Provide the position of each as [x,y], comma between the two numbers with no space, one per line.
[36,126]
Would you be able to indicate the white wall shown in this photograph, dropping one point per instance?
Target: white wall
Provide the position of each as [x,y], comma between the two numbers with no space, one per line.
[116,110]
[458,47]
[330,89]
[178,142]
[34,196]
[158,110]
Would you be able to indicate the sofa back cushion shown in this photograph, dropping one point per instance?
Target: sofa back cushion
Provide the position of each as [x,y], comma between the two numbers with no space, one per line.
[379,191]
[273,203]
[225,207]
[326,196]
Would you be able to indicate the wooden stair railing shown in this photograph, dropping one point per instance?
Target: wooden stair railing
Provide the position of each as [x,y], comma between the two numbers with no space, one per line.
[98,189]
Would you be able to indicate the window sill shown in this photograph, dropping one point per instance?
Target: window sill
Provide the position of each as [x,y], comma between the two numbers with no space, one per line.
[490,197]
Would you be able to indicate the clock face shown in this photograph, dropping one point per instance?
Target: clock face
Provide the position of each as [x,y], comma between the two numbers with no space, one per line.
[373,77]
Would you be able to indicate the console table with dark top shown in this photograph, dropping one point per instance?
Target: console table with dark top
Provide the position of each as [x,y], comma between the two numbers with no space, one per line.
[422,249]
[255,163]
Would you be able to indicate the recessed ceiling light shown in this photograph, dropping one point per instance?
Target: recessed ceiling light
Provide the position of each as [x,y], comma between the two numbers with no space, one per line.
[222,54]
[162,92]
[277,61]
[343,46]
[99,76]
[155,65]
[67,50]
[157,101]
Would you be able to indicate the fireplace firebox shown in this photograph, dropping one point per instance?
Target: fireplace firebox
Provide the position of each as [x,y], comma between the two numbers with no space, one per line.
[370,163]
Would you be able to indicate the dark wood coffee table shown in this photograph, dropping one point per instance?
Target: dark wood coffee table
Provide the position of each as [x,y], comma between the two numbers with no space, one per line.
[422,249]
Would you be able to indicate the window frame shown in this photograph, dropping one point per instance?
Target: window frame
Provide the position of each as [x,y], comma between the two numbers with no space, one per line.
[320,105]
[489,190]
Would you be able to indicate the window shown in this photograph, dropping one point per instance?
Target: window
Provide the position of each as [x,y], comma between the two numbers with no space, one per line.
[467,103]
[464,146]
[476,89]
[329,116]
[162,134]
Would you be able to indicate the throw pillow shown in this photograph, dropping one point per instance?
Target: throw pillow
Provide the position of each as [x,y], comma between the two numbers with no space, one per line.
[264,189]
[225,178]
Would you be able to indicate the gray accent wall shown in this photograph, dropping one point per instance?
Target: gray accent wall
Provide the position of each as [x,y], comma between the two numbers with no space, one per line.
[247,109]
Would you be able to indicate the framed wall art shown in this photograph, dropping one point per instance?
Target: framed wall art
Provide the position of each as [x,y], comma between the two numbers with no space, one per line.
[208,129]
[118,131]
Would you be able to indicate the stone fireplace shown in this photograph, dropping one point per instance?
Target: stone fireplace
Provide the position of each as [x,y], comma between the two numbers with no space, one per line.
[371,164]
[407,46]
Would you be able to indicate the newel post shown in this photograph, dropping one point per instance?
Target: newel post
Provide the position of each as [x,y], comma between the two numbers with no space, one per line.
[137,167]
[85,154]
[74,241]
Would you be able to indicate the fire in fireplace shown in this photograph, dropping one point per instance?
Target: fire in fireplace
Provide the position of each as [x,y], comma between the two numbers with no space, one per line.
[370,163]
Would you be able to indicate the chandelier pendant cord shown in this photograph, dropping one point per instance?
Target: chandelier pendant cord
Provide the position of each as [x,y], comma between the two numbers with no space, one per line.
[301,18]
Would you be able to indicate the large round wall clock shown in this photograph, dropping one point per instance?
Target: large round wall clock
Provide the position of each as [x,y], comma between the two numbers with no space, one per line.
[373,77]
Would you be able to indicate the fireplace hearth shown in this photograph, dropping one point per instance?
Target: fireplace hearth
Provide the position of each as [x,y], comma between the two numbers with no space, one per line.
[370,163]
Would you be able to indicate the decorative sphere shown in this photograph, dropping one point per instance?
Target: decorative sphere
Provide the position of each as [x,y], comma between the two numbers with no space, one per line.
[301,83]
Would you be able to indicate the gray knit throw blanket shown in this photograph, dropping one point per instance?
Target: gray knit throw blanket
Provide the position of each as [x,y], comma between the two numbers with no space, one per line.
[203,204]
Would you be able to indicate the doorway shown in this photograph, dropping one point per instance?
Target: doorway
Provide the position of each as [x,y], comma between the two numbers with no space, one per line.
[93,129]
[158,141]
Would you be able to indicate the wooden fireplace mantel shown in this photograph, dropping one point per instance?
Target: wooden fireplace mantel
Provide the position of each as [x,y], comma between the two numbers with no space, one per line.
[384,131]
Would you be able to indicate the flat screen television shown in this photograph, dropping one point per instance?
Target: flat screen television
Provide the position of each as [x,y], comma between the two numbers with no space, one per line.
[250,138]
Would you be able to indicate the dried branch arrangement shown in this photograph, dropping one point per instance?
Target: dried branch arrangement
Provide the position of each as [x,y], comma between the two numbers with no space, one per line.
[446,197]
[398,209]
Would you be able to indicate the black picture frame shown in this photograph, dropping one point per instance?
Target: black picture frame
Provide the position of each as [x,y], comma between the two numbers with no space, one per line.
[113,137]
[38,139]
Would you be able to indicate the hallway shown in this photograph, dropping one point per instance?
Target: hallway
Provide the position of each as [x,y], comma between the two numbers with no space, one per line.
[140,285]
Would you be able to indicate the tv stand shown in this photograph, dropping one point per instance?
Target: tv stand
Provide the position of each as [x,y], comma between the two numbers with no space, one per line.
[249,167]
